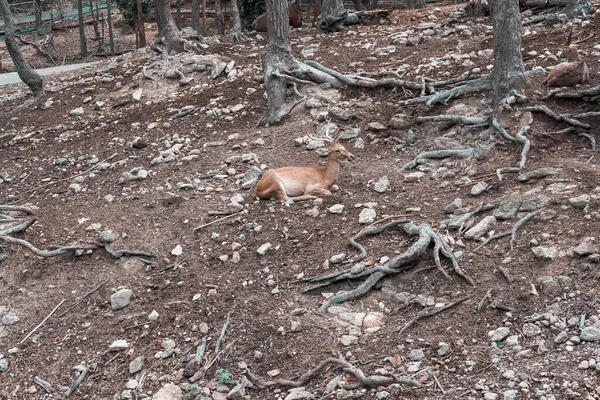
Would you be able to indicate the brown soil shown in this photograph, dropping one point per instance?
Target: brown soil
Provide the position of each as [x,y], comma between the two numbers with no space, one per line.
[155,215]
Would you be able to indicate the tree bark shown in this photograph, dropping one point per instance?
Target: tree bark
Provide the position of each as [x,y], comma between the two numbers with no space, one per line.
[168,34]
[359,6]
[196,15]
[332,14]
[236,29]
[178,18]
[82,38]
[38,13]
[26,73]
[508,74]
[219,20]
[277,58]
[95,21]
[140,24]
[204,17]
[111,37]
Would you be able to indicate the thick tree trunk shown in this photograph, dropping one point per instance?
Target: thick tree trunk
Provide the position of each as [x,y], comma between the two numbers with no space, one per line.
[359,6]
[111,37]
[219,20]
[26,73]
[204,17]
[178,17]
[140,24]
[38,13]
[82,38]
[508,74]
[236,29]
[168,34]
[196,15]
[331,17]
[277,58]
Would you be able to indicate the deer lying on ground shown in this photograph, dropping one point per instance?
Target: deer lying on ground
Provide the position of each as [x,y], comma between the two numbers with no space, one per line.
[260,23]
[304,183]
[569,73]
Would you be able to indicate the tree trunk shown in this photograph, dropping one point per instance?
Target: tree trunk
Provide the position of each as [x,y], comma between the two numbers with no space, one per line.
[140,24]
[236,29]
[219,20]
[38,13]
[111,37]
[168,34]
[95,21]
[26,73]
[178,4]
[359,6]
[196,15]
[204,17]
[82,38]
[508,74]
[578,7]
[331,17]
[277,58]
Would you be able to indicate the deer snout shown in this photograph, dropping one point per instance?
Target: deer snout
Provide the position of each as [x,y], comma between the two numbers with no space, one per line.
[350,156]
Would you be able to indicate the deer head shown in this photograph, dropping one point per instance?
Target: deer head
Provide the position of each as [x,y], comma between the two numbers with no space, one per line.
[336,151]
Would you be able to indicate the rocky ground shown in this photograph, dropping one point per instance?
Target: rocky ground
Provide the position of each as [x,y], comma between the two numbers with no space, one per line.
[140,154]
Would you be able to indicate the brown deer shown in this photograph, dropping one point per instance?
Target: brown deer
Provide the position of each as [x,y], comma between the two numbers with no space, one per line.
[304,183]
[260,23]
[569,73]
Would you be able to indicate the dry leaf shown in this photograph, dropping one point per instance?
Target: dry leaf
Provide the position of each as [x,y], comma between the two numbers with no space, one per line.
[394,360]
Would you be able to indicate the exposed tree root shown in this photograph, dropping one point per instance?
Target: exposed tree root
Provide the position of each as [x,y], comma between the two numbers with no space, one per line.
[437,154]
[370,231]
[473,86]
[363,380]
[559,117]
[591,139]
[396,265]
[512,232]
[38,48]
[520,138]
[428,312]
[457,119]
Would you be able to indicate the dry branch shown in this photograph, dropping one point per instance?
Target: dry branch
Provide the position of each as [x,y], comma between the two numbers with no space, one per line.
[437,154]
[38,48]
[81,298]
[78,381]
[42,323]
[363,379]
[520,138]
[428,312]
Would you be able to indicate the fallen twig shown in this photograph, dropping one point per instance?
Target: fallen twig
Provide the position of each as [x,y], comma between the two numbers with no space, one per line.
[362,379]
[520,138]
[591,139]
[77,382]
[428,312]
[222,336]
[217,220]
[42,323]
[81,298]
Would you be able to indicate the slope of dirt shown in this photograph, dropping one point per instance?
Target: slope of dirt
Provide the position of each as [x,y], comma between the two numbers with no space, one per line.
[130,167]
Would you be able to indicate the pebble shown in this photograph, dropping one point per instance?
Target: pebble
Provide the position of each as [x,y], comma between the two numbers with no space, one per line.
[136,365]
[414,177]
[337,258]
[10,318]
[177,250]
[262,250]
[336,209]
[367,216]
[3,364]
[169,392]
[479,188]
[119,345]
[121,299]
[590,333]
[106,237]
[416,355]
[547,253]
[153,316]
[382,185]
[348,340]
[580,201]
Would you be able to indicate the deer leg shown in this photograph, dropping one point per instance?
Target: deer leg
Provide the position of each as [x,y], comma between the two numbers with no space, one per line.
[303,197]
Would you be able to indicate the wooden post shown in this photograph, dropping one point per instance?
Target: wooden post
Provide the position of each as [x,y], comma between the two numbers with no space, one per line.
[110,28]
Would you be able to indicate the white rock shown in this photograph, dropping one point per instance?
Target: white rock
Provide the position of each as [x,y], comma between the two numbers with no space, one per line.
[119,345]
[177,250]
[336,209]
[263,249]
[367,216]
[153,316]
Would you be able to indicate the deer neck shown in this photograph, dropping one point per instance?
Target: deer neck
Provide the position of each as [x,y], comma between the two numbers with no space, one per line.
[332,171]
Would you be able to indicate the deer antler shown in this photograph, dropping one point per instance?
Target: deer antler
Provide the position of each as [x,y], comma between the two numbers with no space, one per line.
[327,138]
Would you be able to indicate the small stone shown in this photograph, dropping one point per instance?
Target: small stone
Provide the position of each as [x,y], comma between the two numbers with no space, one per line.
[3,364]
[414,177]
[169,392]
[580,201]
[295,326]
[177,250]
[586,247]
[237,393]
[547,253]
[584,364]
[510,374]
[416,355]
[262,250]
[107,236]
[382,395]
[443,349]
[590,334]
[153,316]
[376,126]
[339,114]
[75,187]
[562,337]
[400,121]
[119,345]
[348,340]
[509,395]
[382,185]
[121,299]
[481,228]
[337,258]
[367,216]
[531,330]
[77,111]
[499,334]
[479,188]
[136,365]
[336,209]
[490,396]
[10,318]
[455,205]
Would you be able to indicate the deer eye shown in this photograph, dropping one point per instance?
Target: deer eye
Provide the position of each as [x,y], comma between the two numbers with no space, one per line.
[338,151]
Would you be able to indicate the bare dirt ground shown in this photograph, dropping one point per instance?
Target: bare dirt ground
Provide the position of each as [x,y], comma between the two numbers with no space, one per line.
[51,159]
